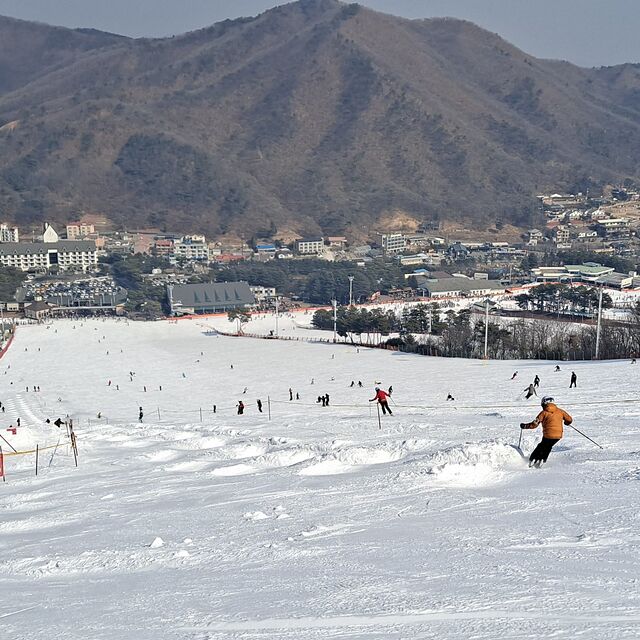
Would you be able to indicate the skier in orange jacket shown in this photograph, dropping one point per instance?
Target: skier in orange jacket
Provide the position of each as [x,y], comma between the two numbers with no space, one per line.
[552,419]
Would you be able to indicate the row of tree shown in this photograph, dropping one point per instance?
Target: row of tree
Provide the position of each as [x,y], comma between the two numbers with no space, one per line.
[563,299]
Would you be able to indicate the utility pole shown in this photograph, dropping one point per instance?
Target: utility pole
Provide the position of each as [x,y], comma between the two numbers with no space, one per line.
[599,323]
[277,309]
[334,302]
[486,330]
[350,291]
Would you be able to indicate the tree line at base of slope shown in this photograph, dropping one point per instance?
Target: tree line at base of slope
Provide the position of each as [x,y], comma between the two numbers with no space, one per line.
[458,334]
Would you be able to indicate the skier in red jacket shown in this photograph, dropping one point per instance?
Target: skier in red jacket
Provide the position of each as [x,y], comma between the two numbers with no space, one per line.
[381,396]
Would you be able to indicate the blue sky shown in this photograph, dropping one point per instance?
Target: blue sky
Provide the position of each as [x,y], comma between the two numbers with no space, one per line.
[586,32]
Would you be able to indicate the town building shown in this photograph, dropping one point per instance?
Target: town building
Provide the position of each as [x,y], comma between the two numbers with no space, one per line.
[209,297]
[562,235]
[64,255]
[9,234]
[392,242]
[49,234]
[588,273]
[613,227]
[264,294]
[38,310]
[535,236]
[191,248]
[162,247]
[309,246]
[457,287]
[77,230]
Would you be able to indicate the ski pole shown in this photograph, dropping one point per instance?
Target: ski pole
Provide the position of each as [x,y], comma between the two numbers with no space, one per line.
[586,436]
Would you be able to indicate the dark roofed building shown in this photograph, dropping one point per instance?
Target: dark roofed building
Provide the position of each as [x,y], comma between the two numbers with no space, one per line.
[209,297]
[41,256]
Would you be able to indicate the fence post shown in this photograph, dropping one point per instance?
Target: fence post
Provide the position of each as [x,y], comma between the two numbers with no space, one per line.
[269,406]
[37,452]
[200,414]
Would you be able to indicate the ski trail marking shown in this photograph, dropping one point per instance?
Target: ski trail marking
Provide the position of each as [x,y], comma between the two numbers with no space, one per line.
[13,613]
[387,620]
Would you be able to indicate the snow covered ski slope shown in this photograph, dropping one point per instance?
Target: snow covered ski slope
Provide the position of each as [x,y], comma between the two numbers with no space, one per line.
[315,524]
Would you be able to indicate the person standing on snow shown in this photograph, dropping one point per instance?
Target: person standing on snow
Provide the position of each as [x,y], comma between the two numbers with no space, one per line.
[140,415]
[381,396]
[259,403]
[240,407]
[536,381]
[552,419]
[574,380]
[531,391]
[513,377]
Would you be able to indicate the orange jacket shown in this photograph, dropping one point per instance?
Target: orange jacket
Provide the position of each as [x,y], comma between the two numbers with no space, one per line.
[552,419]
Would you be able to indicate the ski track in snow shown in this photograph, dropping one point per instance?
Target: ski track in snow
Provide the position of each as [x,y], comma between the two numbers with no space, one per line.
[316,524]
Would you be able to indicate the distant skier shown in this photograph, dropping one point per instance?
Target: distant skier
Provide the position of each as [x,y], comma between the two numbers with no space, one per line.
[326,400]
[633,361]
[513,377]
[290,394]
[259,403]
[245,390]
[552,419]
[297,396]
[531,391]
[536,381]
[450,397]
[353,384]
[381,397]
[360,383]
[140,415]
[240,407]
[574,380]
[557,367]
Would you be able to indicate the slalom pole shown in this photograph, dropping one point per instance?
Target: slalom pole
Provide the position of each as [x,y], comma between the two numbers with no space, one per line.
[520,439]
[54,452]
[584,435]
[37,452]
[269,406]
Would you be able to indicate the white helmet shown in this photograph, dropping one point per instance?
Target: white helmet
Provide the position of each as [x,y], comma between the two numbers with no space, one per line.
[546,400]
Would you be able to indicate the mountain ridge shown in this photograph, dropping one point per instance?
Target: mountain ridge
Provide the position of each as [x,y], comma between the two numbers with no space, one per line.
[313,117]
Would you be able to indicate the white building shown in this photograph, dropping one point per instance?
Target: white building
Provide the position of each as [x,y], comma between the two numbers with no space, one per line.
[263,294]
[79,255]
[310,246]
[392,242]
[9,234]
[49,234]
[191,248]
[77,230]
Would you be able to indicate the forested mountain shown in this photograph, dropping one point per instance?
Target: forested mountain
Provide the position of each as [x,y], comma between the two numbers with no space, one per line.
[313,117]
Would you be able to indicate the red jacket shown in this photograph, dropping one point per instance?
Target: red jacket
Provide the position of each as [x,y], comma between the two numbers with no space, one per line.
[381,396]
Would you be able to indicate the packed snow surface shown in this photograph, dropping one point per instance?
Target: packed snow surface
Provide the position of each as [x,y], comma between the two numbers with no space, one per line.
[315,523]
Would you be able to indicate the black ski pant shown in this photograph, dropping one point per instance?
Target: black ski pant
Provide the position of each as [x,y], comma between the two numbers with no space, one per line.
[542,451]
[385,407]
[573,384]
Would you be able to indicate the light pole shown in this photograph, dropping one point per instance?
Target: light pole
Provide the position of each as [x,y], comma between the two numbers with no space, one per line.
[334,302]
[277,316]
[486,329]
[350,291]
[599,322]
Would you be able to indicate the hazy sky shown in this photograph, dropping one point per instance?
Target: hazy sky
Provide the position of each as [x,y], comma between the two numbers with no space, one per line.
[586,32]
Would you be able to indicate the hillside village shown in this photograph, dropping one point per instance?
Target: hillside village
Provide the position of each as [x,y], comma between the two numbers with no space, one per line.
[89,268]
